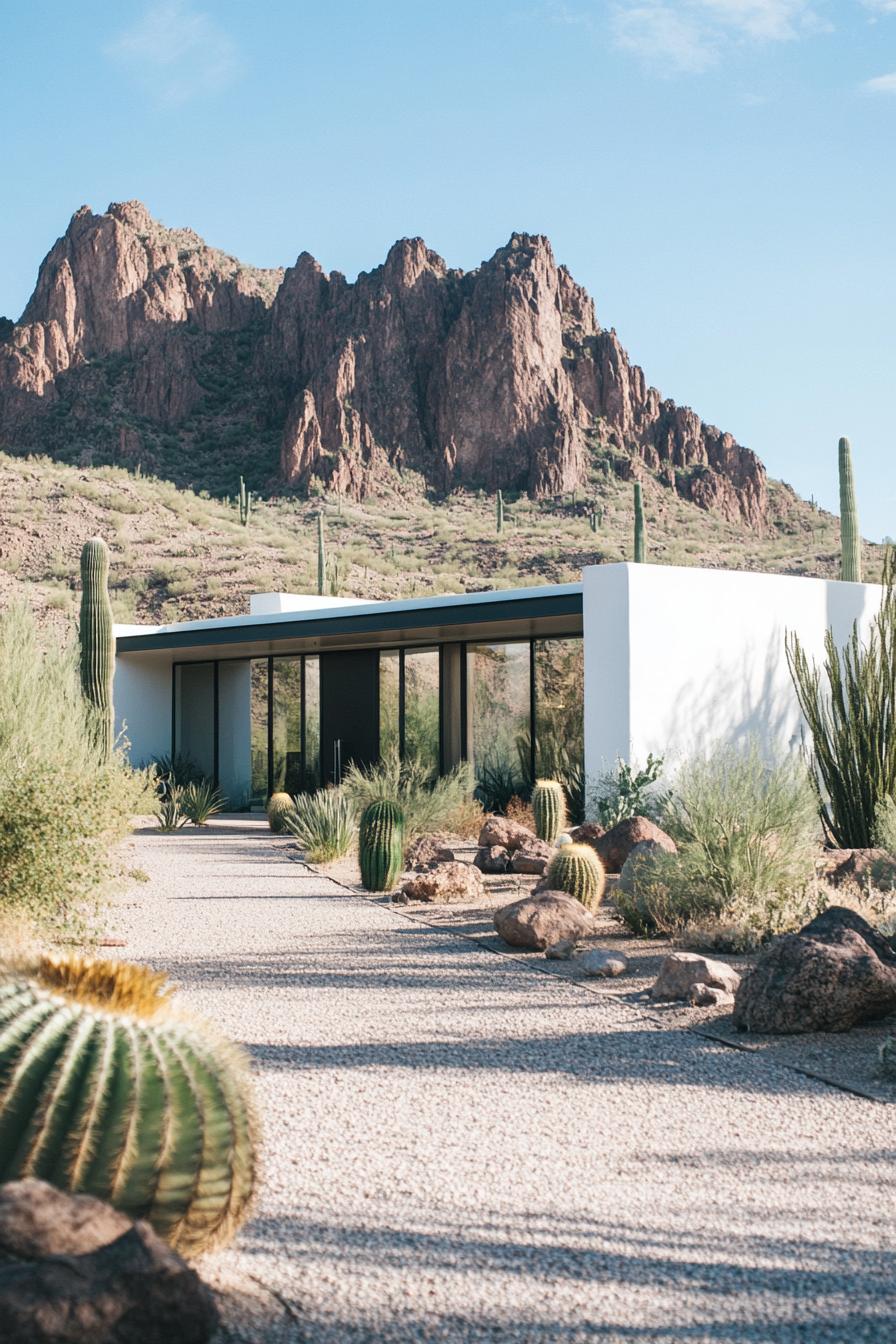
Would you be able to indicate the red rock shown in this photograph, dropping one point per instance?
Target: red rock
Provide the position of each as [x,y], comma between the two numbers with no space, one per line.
[539,922]
[509,835]
[615,845]
[446,882]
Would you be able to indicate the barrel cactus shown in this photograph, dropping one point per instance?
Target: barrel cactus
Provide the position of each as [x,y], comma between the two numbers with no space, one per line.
[280,805]
[577,870]
[107,1090]
[381,845]
[549,808]
[97,640]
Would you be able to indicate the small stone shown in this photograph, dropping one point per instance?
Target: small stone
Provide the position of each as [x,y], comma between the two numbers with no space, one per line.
[507,834]
[533,859]
[492,859]
[709,996]
[602,964]
[447,882]
[562,950]
[429,850]
[681,970]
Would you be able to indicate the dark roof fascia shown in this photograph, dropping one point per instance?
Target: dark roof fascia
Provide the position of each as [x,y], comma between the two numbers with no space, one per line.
[359,623]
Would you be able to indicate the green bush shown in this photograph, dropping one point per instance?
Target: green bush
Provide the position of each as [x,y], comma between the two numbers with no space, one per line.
[630,792]
[747,833]
[428,805]
[62,806]
[323,823]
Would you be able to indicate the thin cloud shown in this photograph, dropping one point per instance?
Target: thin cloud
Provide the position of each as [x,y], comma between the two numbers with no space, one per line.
[881,84]
[176,53]
[690,36]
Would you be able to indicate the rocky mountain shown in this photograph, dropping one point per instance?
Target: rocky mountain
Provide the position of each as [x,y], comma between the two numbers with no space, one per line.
[142,344]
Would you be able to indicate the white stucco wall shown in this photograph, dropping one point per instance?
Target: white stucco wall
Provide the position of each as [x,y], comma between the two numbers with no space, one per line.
[142,692]
[678,658]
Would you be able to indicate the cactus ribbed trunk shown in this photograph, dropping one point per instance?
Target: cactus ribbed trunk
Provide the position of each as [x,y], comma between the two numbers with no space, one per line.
[499,512]
[97,640]
[640,544]
[321,557]
[576,869]
[850,538]
[549,809]
[245,503]
[381,845]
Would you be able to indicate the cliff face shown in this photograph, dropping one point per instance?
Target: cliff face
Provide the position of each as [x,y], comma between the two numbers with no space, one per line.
[500,377]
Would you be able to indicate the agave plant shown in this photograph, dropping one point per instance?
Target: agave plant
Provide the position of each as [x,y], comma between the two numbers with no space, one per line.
[106,1089]
[201,801]
[323,823]
[169,809]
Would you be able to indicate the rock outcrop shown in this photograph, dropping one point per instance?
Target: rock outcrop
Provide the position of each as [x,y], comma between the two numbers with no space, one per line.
[498,377]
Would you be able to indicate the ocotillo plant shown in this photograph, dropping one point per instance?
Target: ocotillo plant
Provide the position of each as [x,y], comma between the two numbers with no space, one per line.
[108,1090]
[321,557]
[640,548]
[245,503]
[850,539]
[97,640]
[499,512]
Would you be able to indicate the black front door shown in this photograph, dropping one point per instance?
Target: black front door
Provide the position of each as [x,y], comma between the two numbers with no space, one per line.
[349,711]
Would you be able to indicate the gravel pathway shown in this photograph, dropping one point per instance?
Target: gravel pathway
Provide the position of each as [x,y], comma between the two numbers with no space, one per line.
[460,1148]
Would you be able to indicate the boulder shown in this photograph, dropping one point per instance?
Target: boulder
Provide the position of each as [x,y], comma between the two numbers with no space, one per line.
[709,996]
[427,850]
[834,974]
[494,859]
[533,859]
[615,845]
[444,883]
[85,1274]
[542,921]
[510,835]
[642,850]
[587,834]
[840,867]
[680,971]
[597,962]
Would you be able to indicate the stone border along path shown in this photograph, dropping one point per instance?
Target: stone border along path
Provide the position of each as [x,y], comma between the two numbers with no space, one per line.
[460,1148]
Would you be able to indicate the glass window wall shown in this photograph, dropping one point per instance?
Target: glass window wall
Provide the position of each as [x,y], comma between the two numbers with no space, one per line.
[498,719]
[390,681]
[286,725]
[421,708]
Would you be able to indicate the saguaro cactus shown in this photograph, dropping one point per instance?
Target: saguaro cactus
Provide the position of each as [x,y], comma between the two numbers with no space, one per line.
[381,845]
[321,557]
[245,503]
[850,538]
[499,512]
[107,1090]
[97,640]
[549,808]
[640,547]
[577,870]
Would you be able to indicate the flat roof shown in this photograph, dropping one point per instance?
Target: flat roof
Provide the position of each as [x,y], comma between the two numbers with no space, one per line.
[366,618]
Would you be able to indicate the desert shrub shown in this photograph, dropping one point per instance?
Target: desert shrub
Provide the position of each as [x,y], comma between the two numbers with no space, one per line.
[498,782]
[630,792]
[202,801]
[428,805]
[521,812]
[62,807]
[323,823]
[849,703]
[746,831]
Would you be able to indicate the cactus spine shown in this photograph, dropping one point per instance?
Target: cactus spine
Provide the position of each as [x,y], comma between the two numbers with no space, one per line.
[245,503]
[640,548]
[321,557]
[381,845]
[279,806]
[850,539]
[97,640]
[108,1091]
[499,512]
[549,807]
[577,870]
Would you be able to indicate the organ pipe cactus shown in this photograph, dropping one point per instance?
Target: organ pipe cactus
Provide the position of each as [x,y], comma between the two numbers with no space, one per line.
[577,870]
[640,548]
[549,808]
[381,845]
[97,640]
[106,1089]
[279,806]
[850,539]
[321,557]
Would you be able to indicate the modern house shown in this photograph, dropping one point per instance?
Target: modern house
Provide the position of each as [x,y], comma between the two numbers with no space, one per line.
[635,658]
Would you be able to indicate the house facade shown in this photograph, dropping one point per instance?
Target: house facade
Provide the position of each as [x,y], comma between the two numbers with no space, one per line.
[557,680]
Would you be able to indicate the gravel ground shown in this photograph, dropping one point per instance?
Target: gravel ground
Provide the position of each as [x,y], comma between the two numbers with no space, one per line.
[458,1147]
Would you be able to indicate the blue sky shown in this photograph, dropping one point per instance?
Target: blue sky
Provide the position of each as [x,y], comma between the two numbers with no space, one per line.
[718,173]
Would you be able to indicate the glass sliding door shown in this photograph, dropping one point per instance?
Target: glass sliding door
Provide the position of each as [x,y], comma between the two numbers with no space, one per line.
[559,700]
[194,715]
[286,725]
[421,708]
[258,730]
[234,732]
[311,778]
[499,736]
[390,708]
